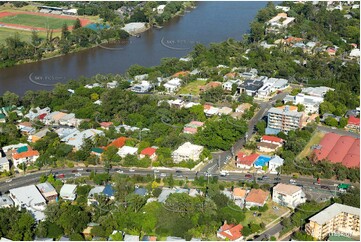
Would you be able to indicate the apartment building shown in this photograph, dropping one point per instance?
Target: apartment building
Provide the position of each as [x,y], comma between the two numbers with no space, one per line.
[187,151]
[337,218]
[283,120]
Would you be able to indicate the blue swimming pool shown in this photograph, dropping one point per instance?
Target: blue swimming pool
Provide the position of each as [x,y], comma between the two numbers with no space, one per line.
[262,160]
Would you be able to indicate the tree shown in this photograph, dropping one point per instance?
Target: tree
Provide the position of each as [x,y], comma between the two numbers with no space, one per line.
[64,32]
[10,99]
[330,121]
[170,181]
[261,127]
[343,122]
[77,24]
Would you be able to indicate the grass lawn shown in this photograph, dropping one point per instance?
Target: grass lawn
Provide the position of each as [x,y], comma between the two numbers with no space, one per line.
[37,21]
[192,88]
[315,139]
[266,217]
[24,35]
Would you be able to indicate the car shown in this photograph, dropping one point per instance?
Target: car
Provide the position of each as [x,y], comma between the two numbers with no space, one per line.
[80,169]
[156,171]
[10,180]
[88,170]
[248,176]
[60,176]
[179,175]
[77,174]
[292,181]
[325,187]
[131,170]
[316,183]
[259,179]
[299,185]
[277,179]
[178,171]
[120,172]
[224,173]
[208,174]
[74,171]
[333,128]
[163,175]
[264,177]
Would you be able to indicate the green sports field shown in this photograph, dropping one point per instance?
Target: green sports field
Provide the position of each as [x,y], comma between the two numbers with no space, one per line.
[37,21]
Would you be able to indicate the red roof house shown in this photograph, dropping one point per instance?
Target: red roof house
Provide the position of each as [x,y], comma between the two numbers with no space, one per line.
[256,197]
[150,152]
[230,232]
[119,143]
[353,123]
[245,161]
[42,116]
[106,125]
[271,139]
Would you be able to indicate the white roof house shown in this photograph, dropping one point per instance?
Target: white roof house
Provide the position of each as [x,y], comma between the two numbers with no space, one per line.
[330,212]
[288,195]
[78,139]
[160,9]
[127,150]
[275,162]
[283,8]
[187,151]
[228,84]
[143,87]
[93,192]
[317,91]
[30,198]
[35,112]
[6,201]
[68,192]
[173,85]
[355,53]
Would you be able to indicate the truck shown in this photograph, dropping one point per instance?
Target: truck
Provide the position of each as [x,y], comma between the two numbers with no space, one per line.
[343,187]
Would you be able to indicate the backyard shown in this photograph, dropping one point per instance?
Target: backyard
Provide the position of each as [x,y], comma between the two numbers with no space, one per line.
[315,139]
[192,88]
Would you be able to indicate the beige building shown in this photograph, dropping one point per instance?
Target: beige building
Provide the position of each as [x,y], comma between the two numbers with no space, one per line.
[288,195]
[284,119]
[335,219]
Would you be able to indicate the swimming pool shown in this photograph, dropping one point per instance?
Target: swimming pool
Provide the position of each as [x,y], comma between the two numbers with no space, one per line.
[262,160]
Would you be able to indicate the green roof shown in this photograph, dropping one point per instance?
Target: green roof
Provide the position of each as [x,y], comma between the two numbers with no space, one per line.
[343,186]
[22,149]
[2,115]
[97,150]
[339,238]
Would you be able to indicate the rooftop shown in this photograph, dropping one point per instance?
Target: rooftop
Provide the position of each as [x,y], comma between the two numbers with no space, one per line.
[244,159]
[257,196]
[287,189]
[148,151]
[28,195]
[285,111]
[271,139]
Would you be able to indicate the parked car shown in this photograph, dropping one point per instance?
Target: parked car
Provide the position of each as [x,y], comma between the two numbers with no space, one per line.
[80,169]
[10,180]
[178,171]
[77,174]
[88,170]
[299,185]
[325,187]
[292,181]
[224,173]
[120,172]
[74,171]
[259,179]
[179,175]
[163,175]
[131,170]
[155,171]
[248,176]
[60,176]
[264,177]
[277,179]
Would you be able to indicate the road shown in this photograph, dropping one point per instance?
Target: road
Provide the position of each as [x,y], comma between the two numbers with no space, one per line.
[33,178]
[219,158]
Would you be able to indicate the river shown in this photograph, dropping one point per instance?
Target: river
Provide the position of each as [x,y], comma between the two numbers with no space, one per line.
[209,22]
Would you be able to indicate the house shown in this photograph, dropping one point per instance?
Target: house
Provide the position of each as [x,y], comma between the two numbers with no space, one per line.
[274,163]
[239,196]
[98,190]
[244,161]
[128,237]
[276,83]
[224,111]
[48,191]
[106,125]
[30,198]
[26,128]
[53,118]
[316,91]
[187,151]
[288,195]
[160,9]
[24,154]
[355,53]
[119,142]
[335,219]
[112,85]
[91,86]
[242,108]
[141,191]
[6,201]
[143,87]
[256,198]
[249,74]
[278,23]
[37,113]
[192,127]
[4,164]
[250,87]
[353,123]
[149,152]
[173,85]
[167,191]
[78,140]
[331,51]
[127,150]
[230,232]
[228,85]
[38,135]
[283,8]
[68,192]
[181,74]
[66,133]
[269,143]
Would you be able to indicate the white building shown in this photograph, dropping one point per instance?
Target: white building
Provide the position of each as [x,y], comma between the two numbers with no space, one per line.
[68,192]
[92,194]
[112,84]
[35,112]
[311,103]
[187,151]
[4,164]
[288,195]
[6,201]
[30,198]
[173,85]
[127,150]
[316,91]
[78,140]
[283,8]
[143,87]
[160,9]
[274,163]
[229,84]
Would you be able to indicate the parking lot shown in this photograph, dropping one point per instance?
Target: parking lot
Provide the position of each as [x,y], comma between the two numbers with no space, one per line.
[318,195]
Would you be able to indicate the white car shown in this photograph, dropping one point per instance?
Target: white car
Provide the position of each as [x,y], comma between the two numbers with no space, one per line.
[293,181]
[131,170]
[224,173]
[77,174]
[10,180]
[80,169]
[155,171]
[120,172]
[208,174]
[163,174]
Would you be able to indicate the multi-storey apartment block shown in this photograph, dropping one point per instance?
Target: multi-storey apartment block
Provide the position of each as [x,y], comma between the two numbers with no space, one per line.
[335,219]
[283,120]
